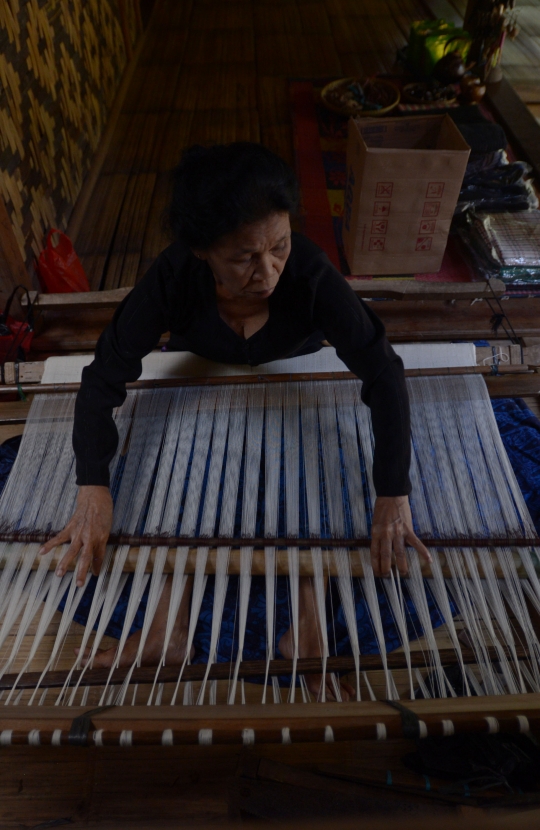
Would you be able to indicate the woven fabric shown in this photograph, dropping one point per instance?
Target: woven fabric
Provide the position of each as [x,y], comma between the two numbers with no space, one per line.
[520,432]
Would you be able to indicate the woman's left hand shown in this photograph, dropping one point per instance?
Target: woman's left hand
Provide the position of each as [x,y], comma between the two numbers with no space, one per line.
[391,530]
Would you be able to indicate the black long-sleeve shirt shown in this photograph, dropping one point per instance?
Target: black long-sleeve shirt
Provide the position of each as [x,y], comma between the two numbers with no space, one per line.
[311,302]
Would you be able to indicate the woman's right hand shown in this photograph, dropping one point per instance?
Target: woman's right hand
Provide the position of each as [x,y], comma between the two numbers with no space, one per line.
[87,532]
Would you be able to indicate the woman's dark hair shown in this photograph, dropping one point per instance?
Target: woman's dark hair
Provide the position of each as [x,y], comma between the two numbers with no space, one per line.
[217,189]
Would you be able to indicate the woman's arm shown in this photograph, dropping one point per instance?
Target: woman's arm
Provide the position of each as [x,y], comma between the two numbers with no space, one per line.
[135,330]
[359,338]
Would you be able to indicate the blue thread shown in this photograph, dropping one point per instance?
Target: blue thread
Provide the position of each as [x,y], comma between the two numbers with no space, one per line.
[428,783]
[388,778]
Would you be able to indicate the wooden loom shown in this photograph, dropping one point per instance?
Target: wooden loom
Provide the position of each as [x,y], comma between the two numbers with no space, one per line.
[102,723]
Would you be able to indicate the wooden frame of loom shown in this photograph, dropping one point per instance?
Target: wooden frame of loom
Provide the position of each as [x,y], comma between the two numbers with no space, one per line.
[286,723]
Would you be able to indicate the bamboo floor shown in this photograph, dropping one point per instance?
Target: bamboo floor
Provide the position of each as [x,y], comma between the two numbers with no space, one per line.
[212,72]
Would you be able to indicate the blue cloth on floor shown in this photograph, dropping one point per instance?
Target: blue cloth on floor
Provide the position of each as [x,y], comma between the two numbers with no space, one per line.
[8,454]
[255,638]
[520,432]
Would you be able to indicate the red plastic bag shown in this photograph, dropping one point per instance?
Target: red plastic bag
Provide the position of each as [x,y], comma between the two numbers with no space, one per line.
[59,268]
[15,336]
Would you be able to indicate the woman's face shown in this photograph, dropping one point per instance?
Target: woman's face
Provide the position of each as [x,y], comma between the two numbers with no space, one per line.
[248,263]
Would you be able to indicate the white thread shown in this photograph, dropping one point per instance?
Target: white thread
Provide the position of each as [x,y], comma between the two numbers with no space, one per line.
[328,735]
[381,731]
[523,723]
[205,737]
[56,739]
[5,737]
[167,737]
[492,724]
[246,557]
[248,737]
[447,727]
[320,607]
[494,359]
[286,735]
[294,571]
[34,738]
[126,737]
[220,592]
[98,737]
[199,584]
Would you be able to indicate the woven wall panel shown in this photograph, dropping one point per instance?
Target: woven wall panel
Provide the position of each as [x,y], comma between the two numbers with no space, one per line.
[61,62]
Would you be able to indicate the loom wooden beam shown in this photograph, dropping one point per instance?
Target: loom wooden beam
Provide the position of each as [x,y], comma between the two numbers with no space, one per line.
[398,289]
[248,669]
[7,391]
[305,558]
[268,723]
[405,321]
[261,542]
[516,385]
[412,289]
[77,300]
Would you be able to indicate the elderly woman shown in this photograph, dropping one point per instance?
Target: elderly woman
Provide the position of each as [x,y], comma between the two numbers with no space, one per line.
[238,286]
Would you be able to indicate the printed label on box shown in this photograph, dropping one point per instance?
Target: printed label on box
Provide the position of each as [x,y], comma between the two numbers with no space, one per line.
[384,189]
[376,243]
[431,208]
[423,243]
[427,226]
[381,208]
[379,226]
[435,190]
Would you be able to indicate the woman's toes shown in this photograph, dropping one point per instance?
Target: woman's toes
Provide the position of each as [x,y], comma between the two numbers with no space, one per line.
[104,658]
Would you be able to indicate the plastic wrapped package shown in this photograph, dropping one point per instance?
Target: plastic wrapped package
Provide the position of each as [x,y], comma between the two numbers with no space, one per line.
[505,245]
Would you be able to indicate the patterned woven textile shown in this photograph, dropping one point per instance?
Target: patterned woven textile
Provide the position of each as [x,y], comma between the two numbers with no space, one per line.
[61,62]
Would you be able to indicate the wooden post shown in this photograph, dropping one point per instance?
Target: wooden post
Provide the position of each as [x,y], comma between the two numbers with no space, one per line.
[12,268]
[469,11]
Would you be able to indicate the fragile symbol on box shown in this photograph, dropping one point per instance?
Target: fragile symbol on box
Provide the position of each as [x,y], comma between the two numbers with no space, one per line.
[431,208]
[381,208]
[435,190]
[384,189]
[376,243]
[423,243]
[427,226]
[379,226]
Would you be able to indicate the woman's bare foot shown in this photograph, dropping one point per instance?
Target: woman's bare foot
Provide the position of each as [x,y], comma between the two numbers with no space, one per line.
[153,647]
[309,645]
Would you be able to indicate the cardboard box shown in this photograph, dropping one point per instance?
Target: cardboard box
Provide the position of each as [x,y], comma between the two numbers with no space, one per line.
[403,181]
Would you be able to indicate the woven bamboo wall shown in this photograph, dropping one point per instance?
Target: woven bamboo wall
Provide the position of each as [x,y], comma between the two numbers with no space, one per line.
[61,62]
